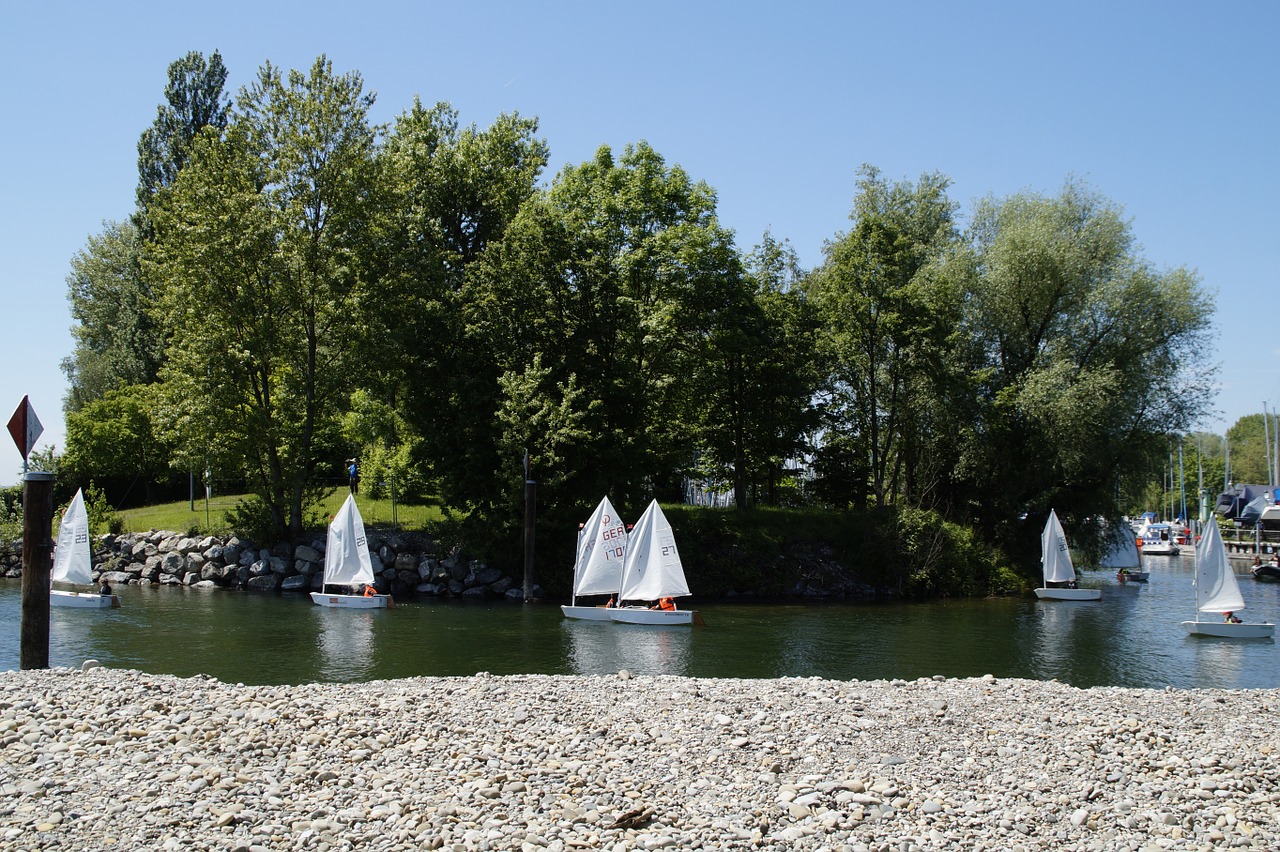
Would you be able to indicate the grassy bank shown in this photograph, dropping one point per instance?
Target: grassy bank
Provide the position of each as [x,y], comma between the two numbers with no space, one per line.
[184,516]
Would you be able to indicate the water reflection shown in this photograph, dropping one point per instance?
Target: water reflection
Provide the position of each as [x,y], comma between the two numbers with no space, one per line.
[345,643]
[1132,637]
[602,647]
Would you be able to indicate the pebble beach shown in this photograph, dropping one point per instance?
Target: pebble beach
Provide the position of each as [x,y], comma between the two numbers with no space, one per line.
[115,759]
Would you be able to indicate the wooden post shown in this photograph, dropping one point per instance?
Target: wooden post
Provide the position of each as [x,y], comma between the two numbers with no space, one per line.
[37,562]
[530,489]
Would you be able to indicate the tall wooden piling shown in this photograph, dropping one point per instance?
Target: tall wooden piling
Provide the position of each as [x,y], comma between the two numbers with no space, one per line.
[37,563]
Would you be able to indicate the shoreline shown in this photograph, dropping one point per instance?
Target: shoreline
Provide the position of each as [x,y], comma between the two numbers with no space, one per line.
[113,758]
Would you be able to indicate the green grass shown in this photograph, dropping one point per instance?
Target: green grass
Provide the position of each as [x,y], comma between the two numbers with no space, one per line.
[180,516]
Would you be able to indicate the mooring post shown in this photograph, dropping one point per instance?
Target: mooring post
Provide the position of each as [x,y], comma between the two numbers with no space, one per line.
[530,488]
[37,561]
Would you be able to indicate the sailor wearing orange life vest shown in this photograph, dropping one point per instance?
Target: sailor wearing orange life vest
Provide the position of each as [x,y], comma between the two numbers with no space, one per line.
[667,604]
[370,591]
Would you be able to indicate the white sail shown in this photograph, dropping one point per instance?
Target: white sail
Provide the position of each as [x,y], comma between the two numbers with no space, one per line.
[1053,552]
[652,569]
[601,552]
[1123,548]
[73,559]
[346,555]
[1216,586]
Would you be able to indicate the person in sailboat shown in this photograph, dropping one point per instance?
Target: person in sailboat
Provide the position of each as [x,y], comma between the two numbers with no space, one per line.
[1230,618]
[105,589]
[666,603]
[370,591]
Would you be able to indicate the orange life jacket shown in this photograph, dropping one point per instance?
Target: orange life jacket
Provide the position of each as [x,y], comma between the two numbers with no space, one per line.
[667,603]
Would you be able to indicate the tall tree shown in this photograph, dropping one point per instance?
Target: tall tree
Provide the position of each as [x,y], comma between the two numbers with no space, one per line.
[881,330]
[193,100]
[260,247]
[1092,358]
[760,377]
[453,191]
[117,342]
[615,281]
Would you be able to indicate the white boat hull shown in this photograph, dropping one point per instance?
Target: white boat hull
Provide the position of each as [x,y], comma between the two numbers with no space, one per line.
[82,600]
[643,615]
[1162,548]
[353,601]
[587,613]
[1069,594]
[1227,630]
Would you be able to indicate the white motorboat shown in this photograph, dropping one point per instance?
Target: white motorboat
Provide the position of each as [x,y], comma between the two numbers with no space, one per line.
[73,561]
[1059,572]
[1159,539]
[1218,594]
[347,563]
[602,548]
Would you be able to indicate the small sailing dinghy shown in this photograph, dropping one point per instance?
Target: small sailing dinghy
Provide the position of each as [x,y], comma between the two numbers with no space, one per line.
[73,561]
[1122,555]
[1056,562]
[1218,594]
[652,571]
[602,547]
[347,563]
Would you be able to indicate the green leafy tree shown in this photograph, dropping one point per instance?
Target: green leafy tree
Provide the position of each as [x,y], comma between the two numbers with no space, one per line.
[1248,439]
[1076,392]
[260,246]
[883,334]
[117,342]
[113,441]
[616,281]
[452,192]
[760,377]
[194,99]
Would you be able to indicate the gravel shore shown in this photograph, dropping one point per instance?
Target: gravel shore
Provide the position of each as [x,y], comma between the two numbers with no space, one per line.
[111,759]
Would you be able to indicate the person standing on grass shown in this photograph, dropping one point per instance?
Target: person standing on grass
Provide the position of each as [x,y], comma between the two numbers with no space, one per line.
[353,476]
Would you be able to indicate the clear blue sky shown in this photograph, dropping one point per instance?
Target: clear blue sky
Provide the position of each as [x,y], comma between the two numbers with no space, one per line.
[1170,109]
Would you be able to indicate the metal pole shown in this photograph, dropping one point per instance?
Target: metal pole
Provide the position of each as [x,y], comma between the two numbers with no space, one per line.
[37,561]
[530,490]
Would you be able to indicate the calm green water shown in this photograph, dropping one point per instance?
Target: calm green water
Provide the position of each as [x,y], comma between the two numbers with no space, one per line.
[1131,638]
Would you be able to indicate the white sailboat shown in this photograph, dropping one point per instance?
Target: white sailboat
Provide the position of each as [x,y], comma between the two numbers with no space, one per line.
[602,548]
[652,571]
[1123,555]
[1218,593]
[73,561]
[347,563]
[1056,562]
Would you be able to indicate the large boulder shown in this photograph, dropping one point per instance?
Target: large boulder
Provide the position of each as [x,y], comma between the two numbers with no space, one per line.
[265,582]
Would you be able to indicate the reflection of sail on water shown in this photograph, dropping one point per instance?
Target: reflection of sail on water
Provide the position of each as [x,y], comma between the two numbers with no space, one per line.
[346,643]
[1054,650]
[1218,663]
[605,648]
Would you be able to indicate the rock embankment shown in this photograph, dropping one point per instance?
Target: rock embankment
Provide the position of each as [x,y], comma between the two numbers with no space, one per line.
[402,564]
[105,759]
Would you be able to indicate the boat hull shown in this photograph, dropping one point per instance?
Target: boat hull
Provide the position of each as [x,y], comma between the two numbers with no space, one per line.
[1134,576]
[1266,574]
[1069,594]
[643,615]
[1161,548]
[82,600]
[1227,630]
[587,613]
[353,601]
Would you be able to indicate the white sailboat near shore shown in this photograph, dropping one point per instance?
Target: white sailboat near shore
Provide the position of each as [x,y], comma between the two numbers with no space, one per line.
[1055,560]
[652,571]
[1218,594]
[73,561]
[347,563]
[1122,555]
[602,548]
